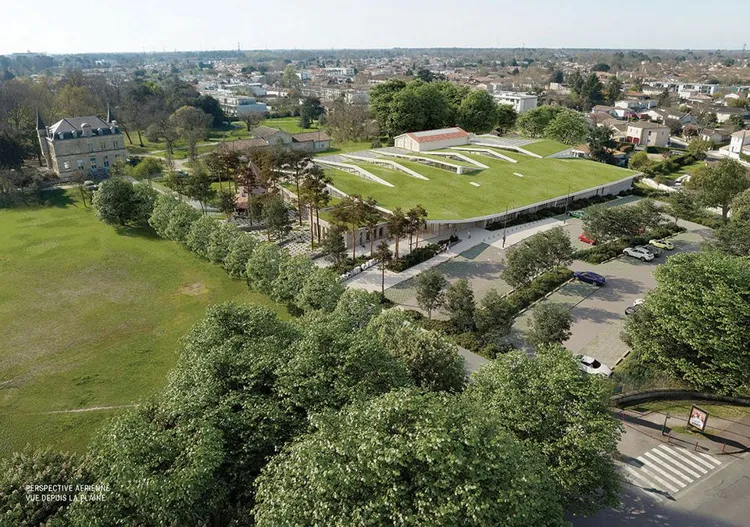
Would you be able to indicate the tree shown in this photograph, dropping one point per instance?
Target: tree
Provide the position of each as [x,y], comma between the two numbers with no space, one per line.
[329,369]
[148,169]
[355,309]
[613,91]
[352,467]
[557,77]
[161,214]
[569,127]
[381,99]
[549,403]
[264,266]
[694,324]
[601,143]
[347,122]
[600,66]
[12,152]
[549,324]
[197,186]
[478,112]
[430,285]
[199,235]
[241,248]
[276,217]
[606,224]
[698,148]
[494,316]
[537,254]
[732,238]
[684,204]
[119,202]
[23,506]
[192,125]
[291,79]
[741,206]
[459,302]
[321,290]
[211,107]
[350,211]
[76,101]
[334,245]
[311,109]
[292,275]
[534,122]
[506,117]
[397,225]
[220,242]
[371,219]
[718,184]
[227,201]
[384,255]
[181,219]
[737,121]
[314,193]
[639,161]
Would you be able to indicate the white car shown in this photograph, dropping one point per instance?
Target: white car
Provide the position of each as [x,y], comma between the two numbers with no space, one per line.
[639,252]
[593,366]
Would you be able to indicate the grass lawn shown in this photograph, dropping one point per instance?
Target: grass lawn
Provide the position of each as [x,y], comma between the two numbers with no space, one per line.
[545,147]
[343,148]
[90,317]
[449,196]
[682,409]
[289,124]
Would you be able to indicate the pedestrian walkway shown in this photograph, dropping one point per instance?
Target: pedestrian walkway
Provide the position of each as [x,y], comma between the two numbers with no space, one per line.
[667,469]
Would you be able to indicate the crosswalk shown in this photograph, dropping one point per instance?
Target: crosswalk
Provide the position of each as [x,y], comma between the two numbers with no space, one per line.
[667,469]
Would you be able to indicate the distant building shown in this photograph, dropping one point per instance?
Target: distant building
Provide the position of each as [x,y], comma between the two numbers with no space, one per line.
[648,134]
[81,145]
[725,113]
[239,106]
[636,105]
[522,102]
[432,139]
[739,144]
[311,142]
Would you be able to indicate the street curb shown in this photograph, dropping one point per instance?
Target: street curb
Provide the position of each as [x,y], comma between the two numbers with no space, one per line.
[633,398]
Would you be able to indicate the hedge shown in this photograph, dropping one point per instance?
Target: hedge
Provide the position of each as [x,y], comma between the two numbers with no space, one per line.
[553,211]
[527,294]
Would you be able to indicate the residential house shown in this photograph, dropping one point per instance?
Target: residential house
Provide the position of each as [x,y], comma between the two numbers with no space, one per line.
[648,134]
[432,139]
[723,114]
[661,115]
[81,145]
[738,144]
[717,135]
[239,106]
[636,105]
[311,142]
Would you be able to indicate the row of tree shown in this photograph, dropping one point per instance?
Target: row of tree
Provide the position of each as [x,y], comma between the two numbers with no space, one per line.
[265,422]
[555,122]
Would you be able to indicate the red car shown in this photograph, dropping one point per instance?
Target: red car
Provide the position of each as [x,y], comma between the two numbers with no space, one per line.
[585,239]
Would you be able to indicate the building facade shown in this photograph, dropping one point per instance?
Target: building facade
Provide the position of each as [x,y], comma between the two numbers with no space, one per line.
[81,145]
[432,139]
[648,134]
[521,102]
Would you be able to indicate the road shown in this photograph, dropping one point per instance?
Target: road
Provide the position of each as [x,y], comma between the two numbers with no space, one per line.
[710,491]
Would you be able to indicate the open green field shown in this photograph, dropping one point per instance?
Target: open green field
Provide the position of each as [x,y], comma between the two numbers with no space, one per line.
[90,317]
[545,147]
[289,124]
[449,196]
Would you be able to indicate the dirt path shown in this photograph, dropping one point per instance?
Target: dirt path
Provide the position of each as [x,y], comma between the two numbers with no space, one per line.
[92,409]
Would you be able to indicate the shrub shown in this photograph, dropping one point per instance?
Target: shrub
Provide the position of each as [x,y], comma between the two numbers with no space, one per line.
[240,250]
[200,234]
[220,241]
[417,256]
[529,293]
[181,219]
[159,219]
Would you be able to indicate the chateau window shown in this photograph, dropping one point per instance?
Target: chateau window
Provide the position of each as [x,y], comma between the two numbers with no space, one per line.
[80,164]
[114,144]
[91,147]
[106,161]
[92,160]
[104,145]
[66,165]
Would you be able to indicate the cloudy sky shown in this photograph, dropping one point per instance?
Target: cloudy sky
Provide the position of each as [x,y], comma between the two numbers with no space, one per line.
[78,26]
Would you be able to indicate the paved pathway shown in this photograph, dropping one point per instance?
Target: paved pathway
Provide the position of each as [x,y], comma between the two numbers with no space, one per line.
[370,280]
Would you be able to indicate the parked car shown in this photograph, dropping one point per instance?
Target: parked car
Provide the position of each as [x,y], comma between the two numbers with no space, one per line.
[662,244]
[652,249]
[635,307]
[577,214]
[90,185]
[592,366]
[639,253]
[590,277]
[586,239]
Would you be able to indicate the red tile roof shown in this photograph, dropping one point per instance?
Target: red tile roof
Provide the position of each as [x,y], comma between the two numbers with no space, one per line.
[448,133]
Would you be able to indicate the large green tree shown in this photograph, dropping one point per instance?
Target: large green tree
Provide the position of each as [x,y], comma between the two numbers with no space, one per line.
[694,324]
[478,112]
[717,185]
[534,122]
[430,294]
[460,305]
[408,459]
[548,402]
[569,127]
[119,202]
[549,324]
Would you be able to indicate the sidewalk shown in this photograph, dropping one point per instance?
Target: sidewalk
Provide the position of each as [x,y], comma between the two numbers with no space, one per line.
[721,436]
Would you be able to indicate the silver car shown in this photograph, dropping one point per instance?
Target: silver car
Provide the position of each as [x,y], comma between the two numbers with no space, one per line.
[639,252]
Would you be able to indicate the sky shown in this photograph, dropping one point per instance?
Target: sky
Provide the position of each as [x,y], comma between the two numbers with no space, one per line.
[85,26]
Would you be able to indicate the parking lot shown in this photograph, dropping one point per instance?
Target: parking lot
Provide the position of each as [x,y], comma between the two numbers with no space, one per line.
[599,313]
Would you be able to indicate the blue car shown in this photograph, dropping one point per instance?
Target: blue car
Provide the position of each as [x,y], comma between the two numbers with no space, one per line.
[589,277]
